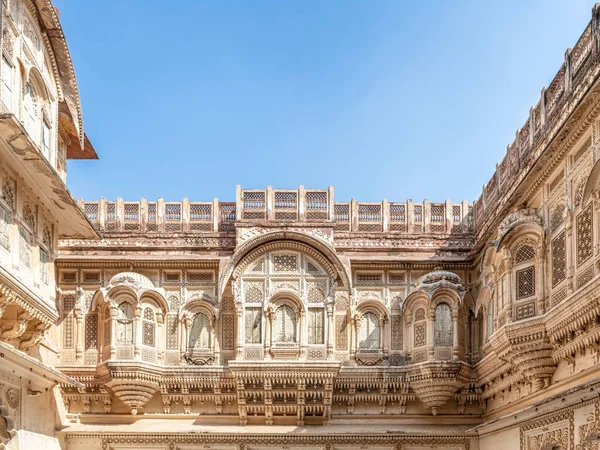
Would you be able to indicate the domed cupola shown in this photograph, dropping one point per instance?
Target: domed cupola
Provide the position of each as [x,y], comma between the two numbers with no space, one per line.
[440,278]
[133,279]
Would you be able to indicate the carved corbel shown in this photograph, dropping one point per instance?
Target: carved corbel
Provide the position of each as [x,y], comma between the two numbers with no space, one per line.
[36,337]
[15,330]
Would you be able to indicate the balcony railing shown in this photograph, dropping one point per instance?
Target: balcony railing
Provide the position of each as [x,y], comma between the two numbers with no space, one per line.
[312,207]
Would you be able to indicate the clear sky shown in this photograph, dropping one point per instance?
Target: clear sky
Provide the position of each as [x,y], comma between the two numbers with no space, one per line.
[383,99]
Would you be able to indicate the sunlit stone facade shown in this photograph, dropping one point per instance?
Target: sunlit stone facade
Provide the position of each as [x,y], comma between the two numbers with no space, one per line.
[285,319]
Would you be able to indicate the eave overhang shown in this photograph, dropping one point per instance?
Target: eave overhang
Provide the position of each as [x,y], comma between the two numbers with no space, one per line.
[24,156]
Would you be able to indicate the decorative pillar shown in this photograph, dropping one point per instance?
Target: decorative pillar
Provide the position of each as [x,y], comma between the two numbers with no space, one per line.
[301,343]
[79,335]
[455,335]
[185,330]
[160,337]
[114,313]
[431,326]
[508,261]
[137,333]
[330,330]
[240,334]
[268,331]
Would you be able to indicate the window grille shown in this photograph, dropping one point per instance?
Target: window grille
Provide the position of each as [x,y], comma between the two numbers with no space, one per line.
[174,303]
[342,216]
[438,218]
[253,291]
[253,322]
[284,325]
[172,325]
[585,277]
[200,333]
[285,263]
[111,217]
[397,217]
[556,217]
[200,277]
[68,332]
[227,216]
[524,254]
[525,282]
[91,332]
[254,204]
[443,326]
[106,327]
[5,222]
[397,337]
[172,277]
[91,211]
[69,277]
[132,217]
[456,214]
[91,277]
[316,205]
[151,225]
[316,326]
[584,235]
[559,271]
[368,279]
[172,216]
[286,205]
[395,277]
[369,217]
[201,217]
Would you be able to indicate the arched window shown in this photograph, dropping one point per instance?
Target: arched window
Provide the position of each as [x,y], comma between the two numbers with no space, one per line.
[368,332]
[125,324]
[443,326]
[284,325]
[31,115]
[490,319]
[148,328]
[200,332]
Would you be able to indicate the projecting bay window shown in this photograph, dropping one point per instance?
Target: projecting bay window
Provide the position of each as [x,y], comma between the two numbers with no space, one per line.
[253,322]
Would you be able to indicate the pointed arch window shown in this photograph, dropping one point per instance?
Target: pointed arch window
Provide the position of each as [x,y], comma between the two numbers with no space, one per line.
[125,323]
[200,333]
[284,325]
[368,332]
[443,326]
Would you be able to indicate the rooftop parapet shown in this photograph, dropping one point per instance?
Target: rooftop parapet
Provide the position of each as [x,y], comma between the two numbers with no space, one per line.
[575,76]
[272,206]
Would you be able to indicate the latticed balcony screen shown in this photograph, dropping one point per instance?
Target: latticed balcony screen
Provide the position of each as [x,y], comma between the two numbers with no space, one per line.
[132,217]
[227,216]
[342,216]
[200,217]
[397,217]
[152,222]
[316,205]
[173,216]
[254,205]
[92,212]
[286,205]
[438,218]
[111,217]
[369,217]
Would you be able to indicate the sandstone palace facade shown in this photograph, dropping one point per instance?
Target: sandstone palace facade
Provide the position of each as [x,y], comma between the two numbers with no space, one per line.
[285,319]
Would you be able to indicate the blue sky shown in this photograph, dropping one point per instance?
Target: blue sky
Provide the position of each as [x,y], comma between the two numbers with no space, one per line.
[383,99]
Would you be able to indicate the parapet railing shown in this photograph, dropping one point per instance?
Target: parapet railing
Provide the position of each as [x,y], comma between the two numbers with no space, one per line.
[273,206]
[571,79]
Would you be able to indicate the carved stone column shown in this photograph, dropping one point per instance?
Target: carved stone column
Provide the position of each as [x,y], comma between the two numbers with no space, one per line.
[330,330]
[300,326]
[185,331]
[240,332]
[114,313]
[455,349]
[137,332]
[79,335]
[160,337]
[268,331]
[431,326]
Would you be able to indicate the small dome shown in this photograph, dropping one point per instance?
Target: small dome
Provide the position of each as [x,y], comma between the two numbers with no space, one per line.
[131,278]
[440,275]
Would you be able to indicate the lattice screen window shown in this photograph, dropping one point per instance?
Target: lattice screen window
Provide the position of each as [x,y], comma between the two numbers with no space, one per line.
[132,217]
[397,217]
[316,205]
[174,303]
[253,322]
[525,281]
[524,253]
[456,214]
[316,326]
[578,196]
[286,205]
[438,218]
[584,235]
[227,216]
[91,331]
[228,332]
[172,327]
[68,332]
[173,216]
[200,333]
[341,332]
[316,291]
[149,328]
[200,277]
[110,222]
[556,217]
[368,332]
[253,291]
[443,326]
[342,216]
[106,327]
[369,279]
[201,216]
[559,264]
[419,328]
[369,217]
[397,333]
[5,222]
[285,263]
